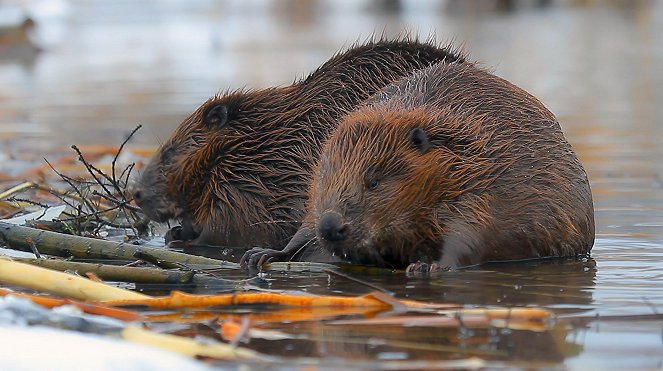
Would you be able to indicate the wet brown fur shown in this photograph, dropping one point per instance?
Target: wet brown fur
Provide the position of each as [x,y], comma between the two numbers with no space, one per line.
[499,181]
[245,184]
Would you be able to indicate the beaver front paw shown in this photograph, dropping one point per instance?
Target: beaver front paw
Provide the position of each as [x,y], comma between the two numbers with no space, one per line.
[184,232]
[258,256]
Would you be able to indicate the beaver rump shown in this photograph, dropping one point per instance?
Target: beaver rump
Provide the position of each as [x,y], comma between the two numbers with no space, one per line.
[450,167]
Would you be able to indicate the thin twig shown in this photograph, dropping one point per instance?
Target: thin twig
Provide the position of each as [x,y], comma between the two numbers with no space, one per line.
[127,170]
[356,280]
[30,202]
[33,247]
[118,203]
[16,189]
[70,181]
[93,199]
[120,150]
[584,320]
[91,169]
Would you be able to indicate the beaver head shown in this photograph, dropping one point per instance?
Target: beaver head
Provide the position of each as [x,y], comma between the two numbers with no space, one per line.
[388,181]
[222,165]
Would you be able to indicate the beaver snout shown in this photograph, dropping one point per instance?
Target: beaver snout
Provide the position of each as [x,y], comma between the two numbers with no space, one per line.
[144,201]
[332,227]
[152,203]
[143,198]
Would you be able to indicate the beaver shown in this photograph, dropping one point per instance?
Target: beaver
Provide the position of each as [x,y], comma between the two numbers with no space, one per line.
[237,170]
[449,167]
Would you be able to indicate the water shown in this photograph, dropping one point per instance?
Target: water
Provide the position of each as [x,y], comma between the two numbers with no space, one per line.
[109,67]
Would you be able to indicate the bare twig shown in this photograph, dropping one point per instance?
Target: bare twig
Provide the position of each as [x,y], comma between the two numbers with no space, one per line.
[16,189]
[70,181]
[356,280]
[95,198]
[30,202]
[119,150]
[92,170]
[33,247]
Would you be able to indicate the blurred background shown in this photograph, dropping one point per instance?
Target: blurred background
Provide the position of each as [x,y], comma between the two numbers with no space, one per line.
[87,72]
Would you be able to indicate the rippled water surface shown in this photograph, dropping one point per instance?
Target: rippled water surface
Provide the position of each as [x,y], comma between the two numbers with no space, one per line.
[107,66]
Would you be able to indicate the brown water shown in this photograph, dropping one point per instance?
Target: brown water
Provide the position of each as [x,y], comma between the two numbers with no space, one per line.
[111,65]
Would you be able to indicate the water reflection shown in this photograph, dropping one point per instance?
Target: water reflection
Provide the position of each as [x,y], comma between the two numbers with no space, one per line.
[424,343]
[107,66]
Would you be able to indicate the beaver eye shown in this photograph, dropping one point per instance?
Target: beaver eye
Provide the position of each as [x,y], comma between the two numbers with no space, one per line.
[217,116]
[373,184]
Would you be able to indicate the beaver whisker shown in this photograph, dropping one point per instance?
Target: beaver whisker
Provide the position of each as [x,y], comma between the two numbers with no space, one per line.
[276,222]
[301,249]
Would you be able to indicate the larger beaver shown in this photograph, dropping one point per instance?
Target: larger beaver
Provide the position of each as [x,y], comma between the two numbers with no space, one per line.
[451,166]
[236,172]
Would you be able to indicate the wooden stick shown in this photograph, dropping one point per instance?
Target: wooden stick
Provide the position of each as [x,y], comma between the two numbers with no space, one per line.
[63,284]
[16,189]
[53,243]
[134,274]
[179,299]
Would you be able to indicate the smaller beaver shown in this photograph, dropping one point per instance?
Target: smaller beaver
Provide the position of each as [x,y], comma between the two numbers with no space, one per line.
[450,167]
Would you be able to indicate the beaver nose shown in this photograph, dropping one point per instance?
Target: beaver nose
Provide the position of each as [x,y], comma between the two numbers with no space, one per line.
[332,228]
[138,195]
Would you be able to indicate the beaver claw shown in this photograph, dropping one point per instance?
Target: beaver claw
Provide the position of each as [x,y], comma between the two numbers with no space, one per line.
[258,256]
[421,268]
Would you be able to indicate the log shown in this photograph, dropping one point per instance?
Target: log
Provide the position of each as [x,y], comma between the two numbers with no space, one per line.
[63,284]
[52,243]
[136,274]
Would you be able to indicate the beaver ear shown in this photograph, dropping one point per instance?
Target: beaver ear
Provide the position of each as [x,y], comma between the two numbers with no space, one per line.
[216,116]
[419,140]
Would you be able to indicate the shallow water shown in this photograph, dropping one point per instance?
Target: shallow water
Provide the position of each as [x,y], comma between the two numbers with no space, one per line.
[106,68]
